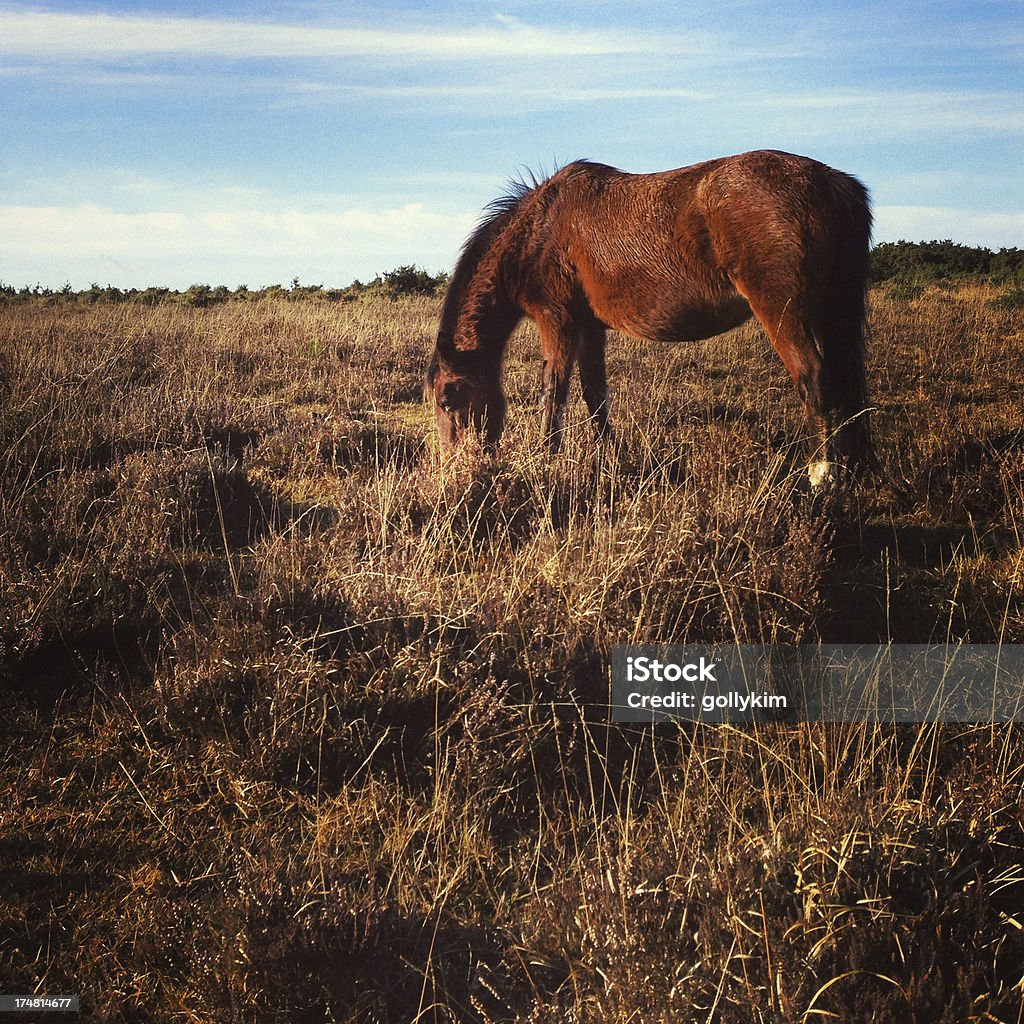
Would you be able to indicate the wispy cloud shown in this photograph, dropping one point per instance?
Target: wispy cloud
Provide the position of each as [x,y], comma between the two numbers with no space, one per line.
[40,34]
[895,112]
[943,106]
[553,91]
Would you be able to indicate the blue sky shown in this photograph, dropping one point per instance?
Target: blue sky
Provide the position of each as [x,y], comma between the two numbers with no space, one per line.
[172,142]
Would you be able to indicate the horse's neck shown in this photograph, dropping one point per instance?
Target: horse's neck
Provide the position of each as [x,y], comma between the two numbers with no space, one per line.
[486,319]
[482,307]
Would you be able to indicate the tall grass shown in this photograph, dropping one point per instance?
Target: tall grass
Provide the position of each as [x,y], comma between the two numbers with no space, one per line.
[303,725]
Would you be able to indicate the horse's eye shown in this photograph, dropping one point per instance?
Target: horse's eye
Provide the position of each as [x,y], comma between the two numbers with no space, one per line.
[453,396]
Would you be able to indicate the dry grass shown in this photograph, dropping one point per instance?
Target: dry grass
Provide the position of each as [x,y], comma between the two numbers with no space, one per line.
[301,727]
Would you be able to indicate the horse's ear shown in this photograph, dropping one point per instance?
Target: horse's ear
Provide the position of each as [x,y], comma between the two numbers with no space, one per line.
[453,396]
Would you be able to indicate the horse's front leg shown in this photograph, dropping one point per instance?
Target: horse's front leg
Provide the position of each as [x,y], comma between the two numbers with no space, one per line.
[553,395]
[594,378]
[558,345]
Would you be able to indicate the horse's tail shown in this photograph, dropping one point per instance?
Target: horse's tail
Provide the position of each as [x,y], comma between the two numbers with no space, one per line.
[843,321]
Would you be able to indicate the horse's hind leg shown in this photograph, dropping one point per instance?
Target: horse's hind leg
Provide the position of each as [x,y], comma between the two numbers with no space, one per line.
[787,324]
[594,377]
[798,350]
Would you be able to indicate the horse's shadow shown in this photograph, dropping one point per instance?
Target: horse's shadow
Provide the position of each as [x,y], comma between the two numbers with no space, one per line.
[886,577]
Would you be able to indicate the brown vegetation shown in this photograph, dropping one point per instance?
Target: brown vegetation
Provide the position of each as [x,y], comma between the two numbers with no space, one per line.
[299,728]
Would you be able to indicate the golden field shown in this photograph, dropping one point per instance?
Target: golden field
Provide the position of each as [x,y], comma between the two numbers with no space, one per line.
[301,725]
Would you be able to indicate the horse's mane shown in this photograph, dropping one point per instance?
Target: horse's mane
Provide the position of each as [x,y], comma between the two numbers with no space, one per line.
[496,215]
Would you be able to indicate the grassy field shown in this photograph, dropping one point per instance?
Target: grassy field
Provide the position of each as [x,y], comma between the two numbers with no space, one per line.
[301,727]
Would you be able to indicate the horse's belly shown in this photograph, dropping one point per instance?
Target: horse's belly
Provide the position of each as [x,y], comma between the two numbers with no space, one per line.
[687,323]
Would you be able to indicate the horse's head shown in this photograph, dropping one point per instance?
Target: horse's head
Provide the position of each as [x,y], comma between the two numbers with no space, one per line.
[462,402]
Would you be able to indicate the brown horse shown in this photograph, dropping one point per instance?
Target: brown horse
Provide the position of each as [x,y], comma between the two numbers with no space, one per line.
[675,256]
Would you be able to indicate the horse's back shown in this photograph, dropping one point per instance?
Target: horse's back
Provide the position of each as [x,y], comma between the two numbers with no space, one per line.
[693,212]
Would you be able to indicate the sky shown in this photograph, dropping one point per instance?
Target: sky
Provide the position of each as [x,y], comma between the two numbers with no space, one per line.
[174,142]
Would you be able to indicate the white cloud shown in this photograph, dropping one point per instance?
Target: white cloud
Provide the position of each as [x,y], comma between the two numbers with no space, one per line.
[270,242]
[970,227]
[89,228]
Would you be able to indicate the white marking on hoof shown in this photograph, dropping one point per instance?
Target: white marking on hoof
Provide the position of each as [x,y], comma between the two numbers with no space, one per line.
[822,473]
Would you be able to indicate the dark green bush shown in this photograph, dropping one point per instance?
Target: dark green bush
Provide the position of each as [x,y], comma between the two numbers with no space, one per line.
[924,262]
